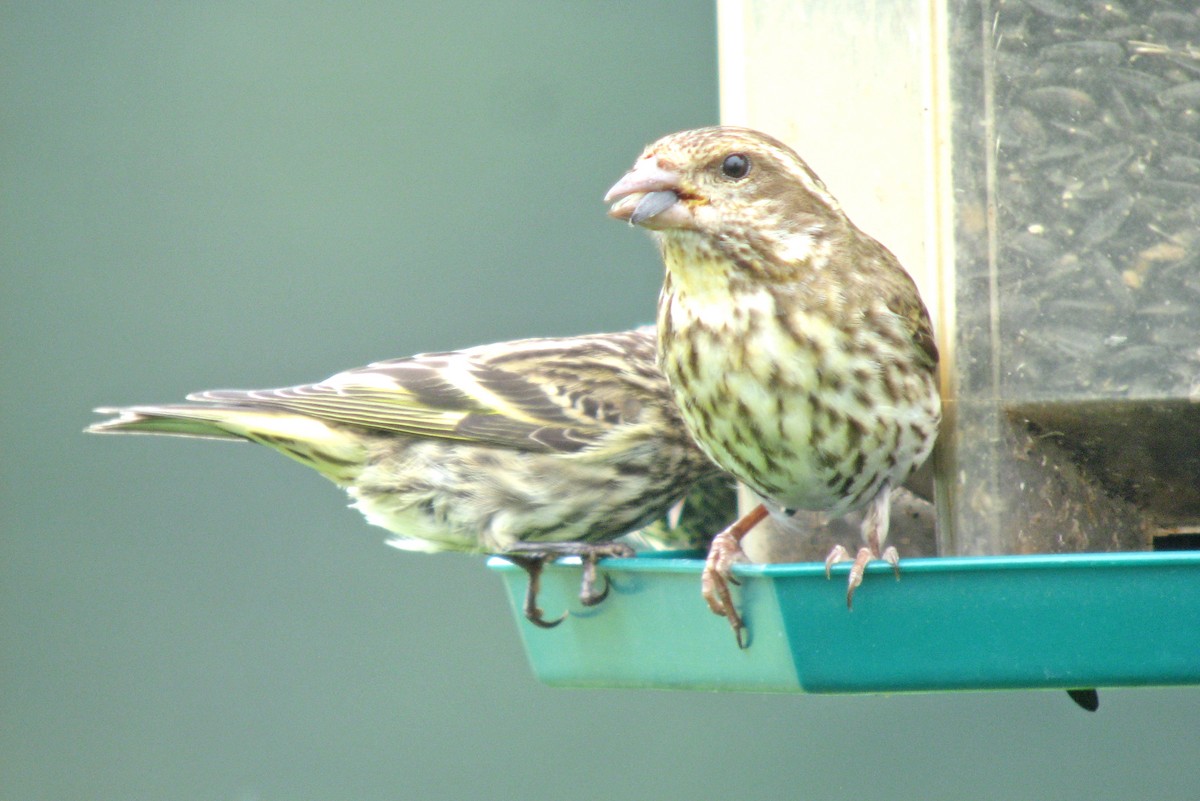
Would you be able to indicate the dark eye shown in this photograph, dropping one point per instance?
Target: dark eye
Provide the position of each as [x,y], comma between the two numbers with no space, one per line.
[735,166]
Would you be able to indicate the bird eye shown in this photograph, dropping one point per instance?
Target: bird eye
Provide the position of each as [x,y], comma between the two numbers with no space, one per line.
[735,166]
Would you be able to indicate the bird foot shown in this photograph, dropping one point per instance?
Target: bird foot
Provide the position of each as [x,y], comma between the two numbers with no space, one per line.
[861,559]
[532,564]
[716,578]
[532,557]
[726,549]
[587,587]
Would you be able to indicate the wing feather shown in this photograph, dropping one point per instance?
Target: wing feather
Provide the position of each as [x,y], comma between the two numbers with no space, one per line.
[534,394]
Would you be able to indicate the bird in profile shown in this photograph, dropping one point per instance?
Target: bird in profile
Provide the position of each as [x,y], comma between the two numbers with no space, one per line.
[529,449]
[798,349]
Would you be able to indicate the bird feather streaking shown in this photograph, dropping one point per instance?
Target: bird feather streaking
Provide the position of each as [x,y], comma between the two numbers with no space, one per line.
[797,347]
[530,448]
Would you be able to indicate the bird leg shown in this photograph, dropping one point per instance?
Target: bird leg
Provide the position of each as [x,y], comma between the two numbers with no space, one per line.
[589,553]
[587,588]
[726,549]
[874,529]
[532,564]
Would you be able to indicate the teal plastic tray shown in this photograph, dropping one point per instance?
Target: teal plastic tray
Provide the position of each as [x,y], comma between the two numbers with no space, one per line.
[971,623]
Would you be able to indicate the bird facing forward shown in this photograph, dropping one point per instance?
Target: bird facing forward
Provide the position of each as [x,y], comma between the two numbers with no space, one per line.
[528,449]
[797,347]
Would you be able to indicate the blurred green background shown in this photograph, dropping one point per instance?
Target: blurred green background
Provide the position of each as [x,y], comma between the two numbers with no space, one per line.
[247,195]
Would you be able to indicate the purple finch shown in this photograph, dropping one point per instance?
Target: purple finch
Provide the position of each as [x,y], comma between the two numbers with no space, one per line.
[527,449]
[797,347]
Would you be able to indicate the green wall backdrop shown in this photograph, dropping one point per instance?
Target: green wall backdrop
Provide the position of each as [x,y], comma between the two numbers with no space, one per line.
[204,195]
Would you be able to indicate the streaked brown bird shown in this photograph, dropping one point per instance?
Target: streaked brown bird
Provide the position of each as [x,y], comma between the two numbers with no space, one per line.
[529,449]
[798,348]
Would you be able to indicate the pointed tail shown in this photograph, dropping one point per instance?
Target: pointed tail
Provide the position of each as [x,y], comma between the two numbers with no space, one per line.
[336,452]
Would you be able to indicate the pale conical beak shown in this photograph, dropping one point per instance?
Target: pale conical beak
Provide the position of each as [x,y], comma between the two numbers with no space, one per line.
[648,196]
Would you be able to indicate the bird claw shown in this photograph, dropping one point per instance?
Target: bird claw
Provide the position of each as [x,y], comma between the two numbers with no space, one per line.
[534,616]
[533,564]
[875,526]
[716,578]
[587,589]
[892,557]
[726,549]
[838,554]
[593,553]
[532,557]
[861,559]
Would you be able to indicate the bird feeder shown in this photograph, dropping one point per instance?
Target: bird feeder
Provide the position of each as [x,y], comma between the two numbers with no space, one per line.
[1035,165]
[954,623]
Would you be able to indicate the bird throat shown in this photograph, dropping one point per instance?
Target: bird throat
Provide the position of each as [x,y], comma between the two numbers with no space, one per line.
[697,268]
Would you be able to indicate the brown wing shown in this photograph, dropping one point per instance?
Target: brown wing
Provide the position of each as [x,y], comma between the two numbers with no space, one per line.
[551,395]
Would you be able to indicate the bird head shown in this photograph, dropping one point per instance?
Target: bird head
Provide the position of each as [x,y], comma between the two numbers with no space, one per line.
[734,188]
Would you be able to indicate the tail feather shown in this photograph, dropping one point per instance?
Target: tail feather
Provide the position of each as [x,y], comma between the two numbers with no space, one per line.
[333,451]
[179,421]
